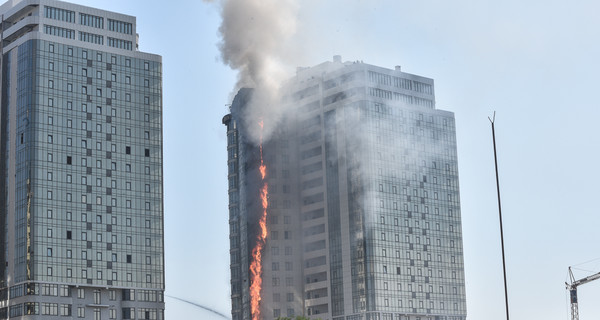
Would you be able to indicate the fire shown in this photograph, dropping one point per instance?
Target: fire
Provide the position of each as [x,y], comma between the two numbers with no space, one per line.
[256,263]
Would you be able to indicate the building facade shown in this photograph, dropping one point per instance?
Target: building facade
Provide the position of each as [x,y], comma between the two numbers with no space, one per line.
[364,213]
[81,189]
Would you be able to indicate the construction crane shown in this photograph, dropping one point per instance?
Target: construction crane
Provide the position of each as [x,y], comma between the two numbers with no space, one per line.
[573,291]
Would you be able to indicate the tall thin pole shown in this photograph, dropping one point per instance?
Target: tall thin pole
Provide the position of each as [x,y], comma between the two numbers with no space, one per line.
[500,215]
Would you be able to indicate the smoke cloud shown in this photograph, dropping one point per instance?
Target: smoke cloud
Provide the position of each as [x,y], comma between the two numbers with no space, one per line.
[254,38]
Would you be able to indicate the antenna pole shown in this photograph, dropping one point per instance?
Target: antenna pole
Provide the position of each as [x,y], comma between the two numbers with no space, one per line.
[500,214]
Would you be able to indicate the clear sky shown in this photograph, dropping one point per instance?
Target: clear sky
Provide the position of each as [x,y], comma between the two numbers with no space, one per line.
[536,63]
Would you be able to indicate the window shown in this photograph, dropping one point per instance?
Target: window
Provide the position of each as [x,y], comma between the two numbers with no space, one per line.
[98,92]
[127,150]
[146,83]
[50,84]
[49,252]
[51,66]
[50,102]
[146,100]
[70,69]
[127,80]
[84,89]
[113,77]
[146,66]
[146,152]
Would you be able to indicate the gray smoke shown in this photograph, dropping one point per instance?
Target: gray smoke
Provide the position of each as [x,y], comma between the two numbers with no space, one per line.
[254,35]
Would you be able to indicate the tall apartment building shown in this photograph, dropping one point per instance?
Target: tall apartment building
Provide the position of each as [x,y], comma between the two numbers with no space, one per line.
[81,191]
[364,215]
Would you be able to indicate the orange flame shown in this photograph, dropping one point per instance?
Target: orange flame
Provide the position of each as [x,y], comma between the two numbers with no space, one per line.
[256,263]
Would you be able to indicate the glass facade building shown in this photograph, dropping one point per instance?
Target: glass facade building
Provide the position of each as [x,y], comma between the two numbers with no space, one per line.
[364,210]
[81,189]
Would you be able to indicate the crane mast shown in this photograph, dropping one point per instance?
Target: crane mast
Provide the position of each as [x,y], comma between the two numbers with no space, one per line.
[572,288]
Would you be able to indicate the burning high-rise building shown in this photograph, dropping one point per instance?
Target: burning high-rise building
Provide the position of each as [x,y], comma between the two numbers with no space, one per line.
[81,188]
[363,216]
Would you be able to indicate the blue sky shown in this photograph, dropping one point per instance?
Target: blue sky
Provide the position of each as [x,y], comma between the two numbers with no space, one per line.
[534,62]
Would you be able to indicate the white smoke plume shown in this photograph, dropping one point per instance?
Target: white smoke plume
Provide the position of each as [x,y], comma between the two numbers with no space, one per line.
[254,39]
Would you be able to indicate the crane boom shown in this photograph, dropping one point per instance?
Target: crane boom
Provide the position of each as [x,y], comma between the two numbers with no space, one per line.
[585,280]
[572,287]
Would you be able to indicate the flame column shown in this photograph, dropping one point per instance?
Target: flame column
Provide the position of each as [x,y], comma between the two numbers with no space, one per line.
[256,263]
